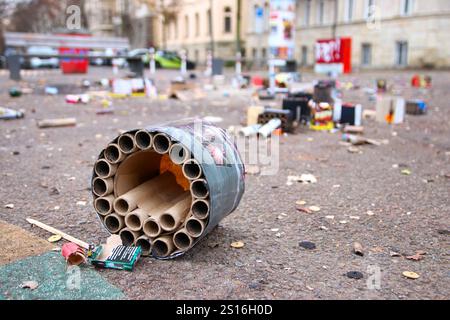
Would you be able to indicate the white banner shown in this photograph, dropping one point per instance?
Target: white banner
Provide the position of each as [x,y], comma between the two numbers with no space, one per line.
[282,28]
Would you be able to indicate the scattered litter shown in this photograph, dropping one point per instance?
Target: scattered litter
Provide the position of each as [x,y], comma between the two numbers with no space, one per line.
[444,232]
[323,228]
[8,114]
[354,217]
[406,172]
[81,203]
[358,249]
[314,208]
[114,255]
[303,209]
[15,92]
[417,257]
[300,202]
[353,150]
[394,254]
[354,275]
[9,206]
[307,245]
[411,275]
[29,285]
[329,217]
[343,221]
[304,178]
[54,238]
[51,123]
[51,91]
[370,213]
[74,254]
[237,244]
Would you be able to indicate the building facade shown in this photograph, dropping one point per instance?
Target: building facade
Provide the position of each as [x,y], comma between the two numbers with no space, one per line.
[134,19]
[195,24]
[385,33]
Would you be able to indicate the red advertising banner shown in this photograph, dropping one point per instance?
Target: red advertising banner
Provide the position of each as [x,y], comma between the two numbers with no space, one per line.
[334,55]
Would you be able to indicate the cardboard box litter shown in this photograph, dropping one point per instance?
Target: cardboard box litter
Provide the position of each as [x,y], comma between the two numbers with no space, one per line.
[114,255]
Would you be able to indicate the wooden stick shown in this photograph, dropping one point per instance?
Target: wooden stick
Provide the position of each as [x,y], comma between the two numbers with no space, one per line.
[58,232]
[50,123]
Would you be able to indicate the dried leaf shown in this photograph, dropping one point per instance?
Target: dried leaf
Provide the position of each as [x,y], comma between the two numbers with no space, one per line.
[314,208]
[411,275]
[416,257]
[29,285]
[237,244]
[54,238]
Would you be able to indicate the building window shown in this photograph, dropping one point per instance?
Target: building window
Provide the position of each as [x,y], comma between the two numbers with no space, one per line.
[186,26]
[197,24]
[263,53]
[175,24]
[266,16]
[366,54]
[369,9]
[304,59]
[401,55]
[321,12]
[197,55]
[406,7]
[307,12]
[349,8]
[254,53]
[227,20]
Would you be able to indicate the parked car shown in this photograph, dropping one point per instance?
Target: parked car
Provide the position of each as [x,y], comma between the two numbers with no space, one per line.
[163,59]
[40,59]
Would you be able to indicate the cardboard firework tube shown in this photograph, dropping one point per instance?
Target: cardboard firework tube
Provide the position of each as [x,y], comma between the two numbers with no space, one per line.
[195,227]
[130,200]
[222,167]
[172,218]
[182,240]
[128,236]
[51,123]
[102,187]
[151,227]
[192,169]
[163,246]
[179,153]
[161,143]
[104,205]
[113,223]
[127,143]
[113,153]
[104,169]
[145,243]
[200,208]
[143,139]
[135,219]
[199,189]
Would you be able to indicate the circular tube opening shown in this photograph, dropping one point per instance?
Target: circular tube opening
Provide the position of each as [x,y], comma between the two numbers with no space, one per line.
[112,223]
[181,240]
[121,206]
[145,245]
[99,187]
[127,237]
[167,222]
[126,143]
[143,140]
[200,209]
[112,153]
[160,248]
[161,143]
[103,206]
[133,222]
[178,154]
[192,170]
[102,168]
[199,189]
[194,228]
[151,228]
